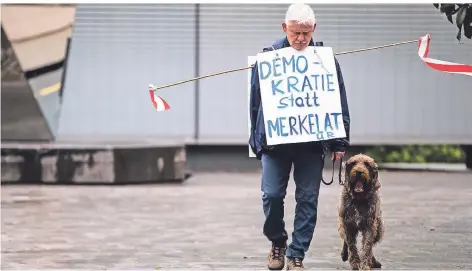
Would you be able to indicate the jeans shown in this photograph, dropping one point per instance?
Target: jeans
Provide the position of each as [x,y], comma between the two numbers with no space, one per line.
[307,175]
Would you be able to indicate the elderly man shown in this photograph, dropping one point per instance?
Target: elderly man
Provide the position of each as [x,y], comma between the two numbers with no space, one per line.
[307,158]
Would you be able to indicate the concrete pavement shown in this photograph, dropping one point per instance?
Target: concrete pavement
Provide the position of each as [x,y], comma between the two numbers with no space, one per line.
[431,167]
[213,221]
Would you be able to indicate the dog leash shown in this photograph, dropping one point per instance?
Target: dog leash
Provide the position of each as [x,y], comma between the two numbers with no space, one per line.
[332,175]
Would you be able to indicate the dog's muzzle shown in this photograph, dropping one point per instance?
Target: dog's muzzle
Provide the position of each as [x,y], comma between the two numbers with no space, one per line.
[359,187]
[359,179]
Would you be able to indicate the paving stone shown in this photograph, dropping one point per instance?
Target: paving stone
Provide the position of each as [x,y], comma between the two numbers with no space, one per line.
[214,221]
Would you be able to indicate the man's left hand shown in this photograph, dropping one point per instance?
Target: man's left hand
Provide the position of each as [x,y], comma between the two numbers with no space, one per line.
[337,155]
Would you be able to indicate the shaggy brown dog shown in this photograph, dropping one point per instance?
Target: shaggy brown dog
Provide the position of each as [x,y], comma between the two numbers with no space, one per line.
[359,211]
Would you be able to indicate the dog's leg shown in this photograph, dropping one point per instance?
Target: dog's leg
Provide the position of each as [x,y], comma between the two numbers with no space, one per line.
[380,232]
[342,234]
[369,236]
[348,232]
[367,244]
[350,238]
[374,263]
[344,252]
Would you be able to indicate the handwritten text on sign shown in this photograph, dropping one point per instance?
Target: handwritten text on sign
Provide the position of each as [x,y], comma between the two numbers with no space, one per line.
[300,95]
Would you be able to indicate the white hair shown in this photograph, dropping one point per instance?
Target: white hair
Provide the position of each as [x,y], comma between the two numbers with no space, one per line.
[301,14]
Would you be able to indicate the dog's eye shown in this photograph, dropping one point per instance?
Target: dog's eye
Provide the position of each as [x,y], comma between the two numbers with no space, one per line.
[349,166]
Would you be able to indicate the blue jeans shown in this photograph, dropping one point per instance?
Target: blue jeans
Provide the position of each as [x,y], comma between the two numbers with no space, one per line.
[307,175]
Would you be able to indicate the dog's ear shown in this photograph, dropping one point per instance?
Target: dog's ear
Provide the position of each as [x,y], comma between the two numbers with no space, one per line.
[376,171]
[376,177]
[348,165]
[377,184]
[344,169]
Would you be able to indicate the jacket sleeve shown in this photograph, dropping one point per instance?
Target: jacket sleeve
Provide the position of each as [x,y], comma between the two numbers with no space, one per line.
[341,144]
[254,102]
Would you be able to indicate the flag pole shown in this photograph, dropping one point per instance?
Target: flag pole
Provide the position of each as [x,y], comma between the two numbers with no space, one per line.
[249,67]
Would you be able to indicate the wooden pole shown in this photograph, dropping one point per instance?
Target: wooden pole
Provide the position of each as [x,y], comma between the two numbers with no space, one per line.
[249,67]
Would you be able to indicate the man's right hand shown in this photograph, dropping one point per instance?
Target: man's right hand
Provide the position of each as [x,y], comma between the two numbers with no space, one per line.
[336,155]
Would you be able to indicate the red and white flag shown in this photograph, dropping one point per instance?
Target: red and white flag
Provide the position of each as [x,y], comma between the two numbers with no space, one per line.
[444,66]
[158,103]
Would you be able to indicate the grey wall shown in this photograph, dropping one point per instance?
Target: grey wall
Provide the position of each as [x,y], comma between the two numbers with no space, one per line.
[117,50]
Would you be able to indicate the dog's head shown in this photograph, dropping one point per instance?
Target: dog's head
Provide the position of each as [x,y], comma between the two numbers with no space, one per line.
[361,176]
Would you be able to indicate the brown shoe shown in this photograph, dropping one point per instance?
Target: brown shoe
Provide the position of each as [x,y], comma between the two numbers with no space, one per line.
[276,258]
[295,264]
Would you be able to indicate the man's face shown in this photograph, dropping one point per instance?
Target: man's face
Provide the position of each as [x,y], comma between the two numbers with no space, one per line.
[298,35]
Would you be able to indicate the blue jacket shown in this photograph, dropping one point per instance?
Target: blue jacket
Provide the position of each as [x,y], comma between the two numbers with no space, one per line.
[257,139]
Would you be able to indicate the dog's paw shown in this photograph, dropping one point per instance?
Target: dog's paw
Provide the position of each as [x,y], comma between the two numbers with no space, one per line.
[365,265]
[376,264]
[354,265]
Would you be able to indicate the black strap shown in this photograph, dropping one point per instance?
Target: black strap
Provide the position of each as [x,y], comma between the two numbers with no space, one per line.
[340,181]
[332,175]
